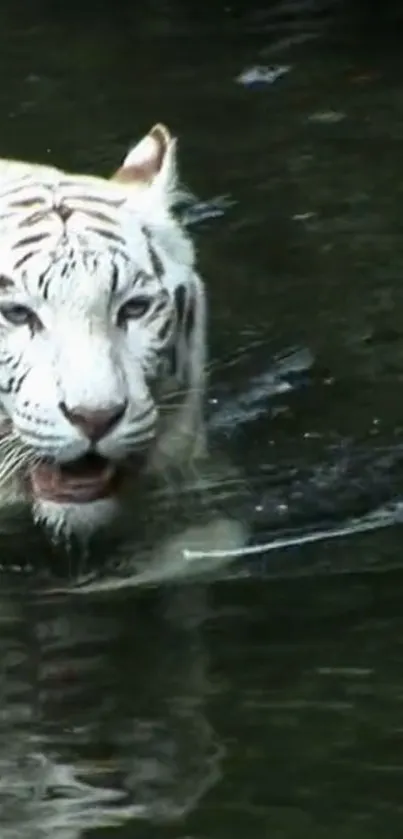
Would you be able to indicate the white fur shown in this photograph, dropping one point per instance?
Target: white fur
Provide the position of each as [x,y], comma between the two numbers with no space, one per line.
[80,356]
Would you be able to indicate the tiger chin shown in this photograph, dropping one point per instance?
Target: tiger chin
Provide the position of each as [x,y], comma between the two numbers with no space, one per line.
[102,338]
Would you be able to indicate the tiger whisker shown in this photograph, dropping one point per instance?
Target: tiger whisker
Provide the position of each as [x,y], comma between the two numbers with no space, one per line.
[9,453]
[170,406]
[9,469]
[232,358]
[5,451]
[180,393]
[9,437]
[15,449]
[15,454]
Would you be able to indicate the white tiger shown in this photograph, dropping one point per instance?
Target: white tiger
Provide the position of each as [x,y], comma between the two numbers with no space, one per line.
[102,335]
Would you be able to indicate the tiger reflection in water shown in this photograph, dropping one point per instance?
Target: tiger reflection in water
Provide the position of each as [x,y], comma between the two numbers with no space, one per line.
[97,730]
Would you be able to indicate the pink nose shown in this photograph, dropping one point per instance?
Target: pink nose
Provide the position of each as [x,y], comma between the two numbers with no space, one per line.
[94,424]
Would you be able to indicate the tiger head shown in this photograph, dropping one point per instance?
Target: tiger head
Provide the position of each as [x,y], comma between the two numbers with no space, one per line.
[102,334]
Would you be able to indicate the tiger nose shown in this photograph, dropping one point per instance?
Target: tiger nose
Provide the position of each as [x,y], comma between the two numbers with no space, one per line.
[94,424]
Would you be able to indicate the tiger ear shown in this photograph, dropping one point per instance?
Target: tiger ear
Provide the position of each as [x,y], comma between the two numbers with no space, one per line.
[152,160]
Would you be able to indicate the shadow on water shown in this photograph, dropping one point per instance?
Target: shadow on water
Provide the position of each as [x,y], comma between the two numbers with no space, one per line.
[269,702]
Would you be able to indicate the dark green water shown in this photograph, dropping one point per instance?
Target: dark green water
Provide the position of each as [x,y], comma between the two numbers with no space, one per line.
[268,706]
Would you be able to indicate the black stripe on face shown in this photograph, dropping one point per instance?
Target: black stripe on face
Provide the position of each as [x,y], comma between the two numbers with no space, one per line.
[141,280]
[13,384]
[20,262]
[33,218]
[115,278]
[172,356]
[13,190]
[5,283]
[29,240]
[8,386]
[164,330]
[180,303]
[86,198]
[107,234]
[43,285]
[27,202]
[190,318]
[97,215]
[156,262]
[45,279]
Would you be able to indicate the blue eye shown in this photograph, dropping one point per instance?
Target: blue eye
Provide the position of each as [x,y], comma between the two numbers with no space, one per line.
[134,309]
[20,315]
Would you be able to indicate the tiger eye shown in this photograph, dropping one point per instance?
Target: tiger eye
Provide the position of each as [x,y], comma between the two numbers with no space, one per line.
[134,309]
[19,315]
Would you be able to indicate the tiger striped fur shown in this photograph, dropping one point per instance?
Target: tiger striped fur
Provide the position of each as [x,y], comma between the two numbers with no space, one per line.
[102,334]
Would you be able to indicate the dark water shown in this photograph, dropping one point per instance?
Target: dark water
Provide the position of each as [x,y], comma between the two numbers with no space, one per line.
[270,705]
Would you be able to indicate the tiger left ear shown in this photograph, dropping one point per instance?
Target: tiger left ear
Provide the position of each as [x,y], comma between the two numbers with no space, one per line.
[148,159]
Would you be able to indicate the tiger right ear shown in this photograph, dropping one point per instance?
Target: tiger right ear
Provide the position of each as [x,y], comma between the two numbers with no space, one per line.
[153,158]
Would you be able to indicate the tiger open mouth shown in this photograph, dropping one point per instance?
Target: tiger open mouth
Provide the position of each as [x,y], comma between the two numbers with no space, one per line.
[81,481]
